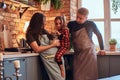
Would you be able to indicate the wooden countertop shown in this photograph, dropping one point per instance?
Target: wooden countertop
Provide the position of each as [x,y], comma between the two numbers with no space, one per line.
[19,54]
[112,53]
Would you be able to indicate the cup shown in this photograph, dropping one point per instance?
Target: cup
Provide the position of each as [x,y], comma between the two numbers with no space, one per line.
[23,43]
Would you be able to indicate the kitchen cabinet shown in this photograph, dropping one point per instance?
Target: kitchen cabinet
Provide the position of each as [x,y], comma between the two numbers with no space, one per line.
[103,66]
[9,69]
[30,68]
[114,65]
[33,68]
[108,65]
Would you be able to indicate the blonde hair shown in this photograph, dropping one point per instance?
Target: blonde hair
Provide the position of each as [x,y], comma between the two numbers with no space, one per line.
[62,19]
[83,11]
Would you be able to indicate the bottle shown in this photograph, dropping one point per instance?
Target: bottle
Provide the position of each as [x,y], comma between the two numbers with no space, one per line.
[5,37]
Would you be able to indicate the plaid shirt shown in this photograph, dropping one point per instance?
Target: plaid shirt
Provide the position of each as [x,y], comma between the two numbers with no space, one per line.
[64,45]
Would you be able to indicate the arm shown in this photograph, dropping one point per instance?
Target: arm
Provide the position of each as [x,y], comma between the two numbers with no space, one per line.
[65,43]
[70,31]
[38,48]
[35,45]
[99,36]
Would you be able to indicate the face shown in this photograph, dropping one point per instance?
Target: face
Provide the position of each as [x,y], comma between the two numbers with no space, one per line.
[81,18]
[58,24]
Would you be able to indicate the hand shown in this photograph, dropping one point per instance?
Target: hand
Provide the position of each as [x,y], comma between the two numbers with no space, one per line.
[58,33]
[101,52]
[56,43]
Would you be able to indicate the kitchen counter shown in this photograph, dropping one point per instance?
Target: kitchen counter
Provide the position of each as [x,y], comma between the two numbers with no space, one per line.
[108,65]
[18,54]
[112,53]
[21,55]
[107,53]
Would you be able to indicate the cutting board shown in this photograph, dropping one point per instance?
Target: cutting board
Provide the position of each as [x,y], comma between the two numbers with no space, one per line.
[5,39]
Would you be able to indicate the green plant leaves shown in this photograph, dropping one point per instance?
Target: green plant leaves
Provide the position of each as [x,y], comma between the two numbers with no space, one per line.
[45,1]
[112,41]
[57,4]
[115,5]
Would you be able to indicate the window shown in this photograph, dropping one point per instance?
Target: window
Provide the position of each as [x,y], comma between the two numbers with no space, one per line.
[95,11]
[115,32]
[100,26]
[115,25]
[107,22]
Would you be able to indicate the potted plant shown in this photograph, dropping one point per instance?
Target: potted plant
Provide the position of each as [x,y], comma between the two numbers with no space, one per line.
[112,43]
[56,4]
[45,5]
[115,5]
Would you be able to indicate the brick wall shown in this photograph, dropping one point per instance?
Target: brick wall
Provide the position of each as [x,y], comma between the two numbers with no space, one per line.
[15,25]
[73,9]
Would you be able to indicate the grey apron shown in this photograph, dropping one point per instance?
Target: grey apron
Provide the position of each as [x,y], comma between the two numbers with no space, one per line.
[85,58]
[48,58]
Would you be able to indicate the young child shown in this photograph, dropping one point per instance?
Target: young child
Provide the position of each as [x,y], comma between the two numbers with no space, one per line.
[63,35]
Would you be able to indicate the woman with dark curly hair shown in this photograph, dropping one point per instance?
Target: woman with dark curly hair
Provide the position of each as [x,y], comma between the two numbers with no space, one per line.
[39,40]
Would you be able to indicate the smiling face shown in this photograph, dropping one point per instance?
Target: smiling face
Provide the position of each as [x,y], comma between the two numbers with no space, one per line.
[58,24]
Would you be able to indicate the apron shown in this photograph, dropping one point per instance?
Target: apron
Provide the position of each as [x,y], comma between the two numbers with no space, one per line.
[85,58]
[48,58]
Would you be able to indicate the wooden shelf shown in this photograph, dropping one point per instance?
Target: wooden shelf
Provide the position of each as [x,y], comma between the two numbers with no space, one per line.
[17,4]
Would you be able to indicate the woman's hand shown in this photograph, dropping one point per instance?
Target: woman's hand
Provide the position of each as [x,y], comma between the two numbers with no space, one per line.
[56,43]
[58,33]
[101,52]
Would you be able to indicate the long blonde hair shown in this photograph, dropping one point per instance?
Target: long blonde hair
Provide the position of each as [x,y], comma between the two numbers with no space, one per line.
[62,19]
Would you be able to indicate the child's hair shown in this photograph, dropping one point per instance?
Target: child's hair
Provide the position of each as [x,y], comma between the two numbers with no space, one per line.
[83,11]
[62,19]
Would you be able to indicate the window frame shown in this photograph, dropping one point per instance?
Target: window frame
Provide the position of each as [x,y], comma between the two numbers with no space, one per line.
[107,21]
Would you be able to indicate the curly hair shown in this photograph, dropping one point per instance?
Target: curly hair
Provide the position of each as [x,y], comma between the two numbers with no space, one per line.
[36,26]
[36,23]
